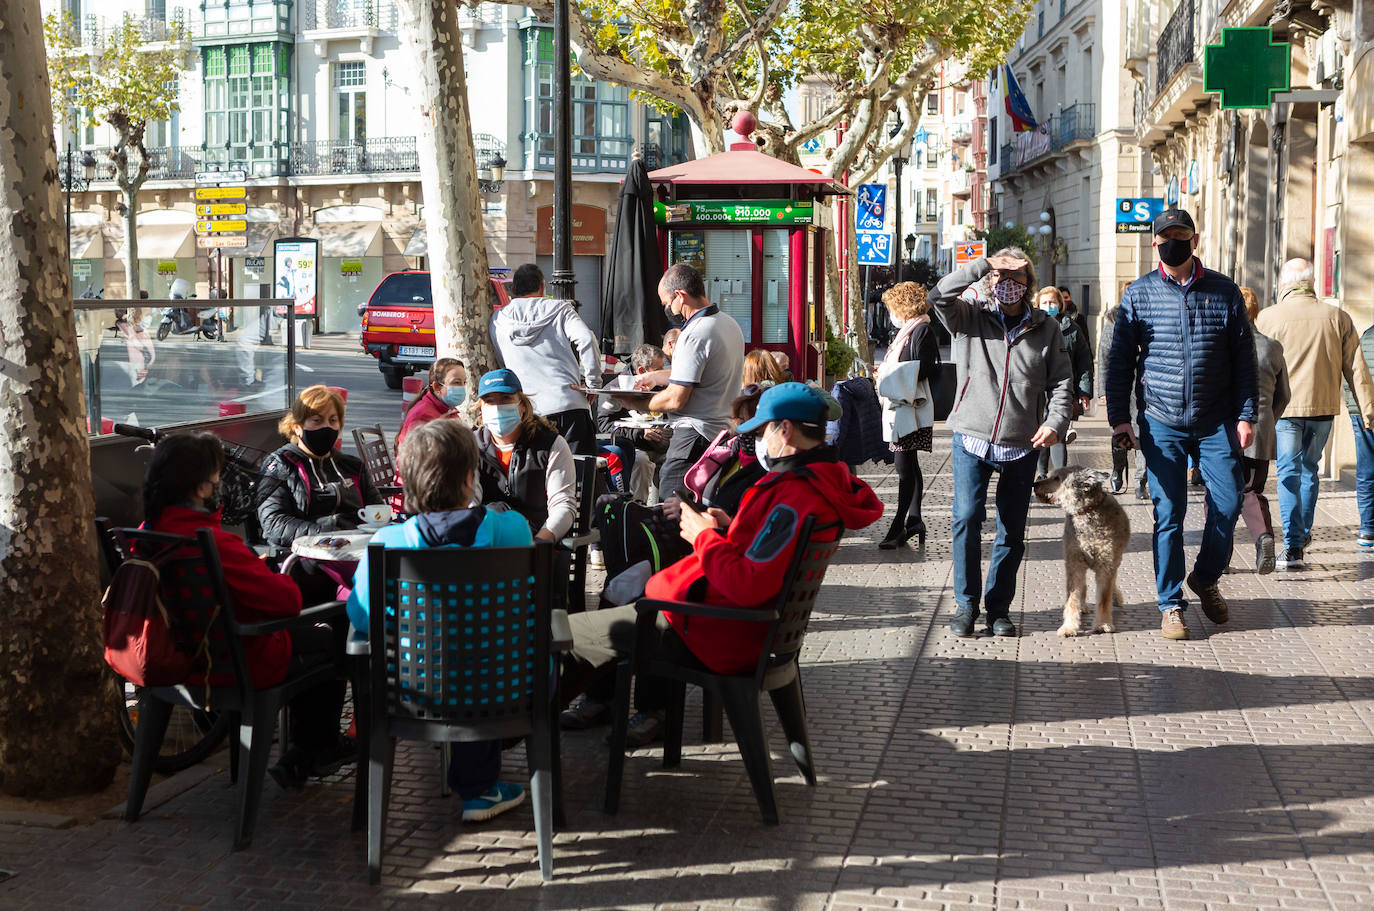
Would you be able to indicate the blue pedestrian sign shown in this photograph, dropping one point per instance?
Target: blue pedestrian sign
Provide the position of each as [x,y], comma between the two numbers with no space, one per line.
[875,249]
[870,208]
[812,146]
[1135,216]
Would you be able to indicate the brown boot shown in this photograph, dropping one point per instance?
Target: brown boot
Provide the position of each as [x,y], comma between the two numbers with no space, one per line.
[1171,624]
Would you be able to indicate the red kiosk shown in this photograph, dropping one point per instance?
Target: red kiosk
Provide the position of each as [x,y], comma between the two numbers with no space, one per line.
[748,223]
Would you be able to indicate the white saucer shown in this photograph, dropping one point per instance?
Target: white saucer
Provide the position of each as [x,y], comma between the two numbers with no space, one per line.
[373,529]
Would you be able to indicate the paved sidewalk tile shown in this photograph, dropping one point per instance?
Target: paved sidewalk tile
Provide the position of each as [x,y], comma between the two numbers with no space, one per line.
[1105,771]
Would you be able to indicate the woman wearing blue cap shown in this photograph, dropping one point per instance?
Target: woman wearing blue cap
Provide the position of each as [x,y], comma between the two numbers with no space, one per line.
[524,462]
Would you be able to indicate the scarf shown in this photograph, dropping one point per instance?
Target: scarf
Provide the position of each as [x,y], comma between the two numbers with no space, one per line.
[894,351]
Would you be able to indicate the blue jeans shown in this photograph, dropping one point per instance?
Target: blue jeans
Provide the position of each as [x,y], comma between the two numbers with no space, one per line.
[1167,452]
[1364,475]
[1301,441]
[1014,482]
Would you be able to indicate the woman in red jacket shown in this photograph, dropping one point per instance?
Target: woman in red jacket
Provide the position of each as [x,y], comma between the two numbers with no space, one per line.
[445,390]
[181,496]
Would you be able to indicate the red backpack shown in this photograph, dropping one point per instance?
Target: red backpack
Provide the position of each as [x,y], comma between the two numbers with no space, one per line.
[139,643]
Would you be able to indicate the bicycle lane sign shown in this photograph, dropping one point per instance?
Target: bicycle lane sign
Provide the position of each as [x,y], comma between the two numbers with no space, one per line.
[870,209]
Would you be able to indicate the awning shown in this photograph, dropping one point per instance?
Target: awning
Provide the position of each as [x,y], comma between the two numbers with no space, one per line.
[87,242]
[349,239]
[164,242]
[419,243]
[260,236]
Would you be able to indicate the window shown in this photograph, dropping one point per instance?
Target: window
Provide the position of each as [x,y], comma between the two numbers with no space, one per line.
[1085,208]
[916,203]
[992,141]
[350,101]
[933,103]
[246,106]
[960,103]
[932,204]
[1040,26]
[601,112]
[959,214]
[932,159]
[1089,87]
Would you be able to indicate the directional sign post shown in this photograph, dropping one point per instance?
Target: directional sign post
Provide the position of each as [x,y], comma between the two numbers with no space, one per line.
[234,175]
[206,209]
[1247,67]
[221,193]
[223,224]
[221,241]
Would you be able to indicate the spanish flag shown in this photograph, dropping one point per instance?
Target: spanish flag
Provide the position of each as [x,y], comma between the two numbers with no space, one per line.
[1022,119]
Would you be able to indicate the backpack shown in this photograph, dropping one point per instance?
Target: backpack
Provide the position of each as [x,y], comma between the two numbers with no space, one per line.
[139,644]
[632,533]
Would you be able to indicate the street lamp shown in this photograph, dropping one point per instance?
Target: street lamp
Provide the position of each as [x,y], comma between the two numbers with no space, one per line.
[491,175]
[73,184]
[1046,230]
[563,281]
[899,158]
[910,242]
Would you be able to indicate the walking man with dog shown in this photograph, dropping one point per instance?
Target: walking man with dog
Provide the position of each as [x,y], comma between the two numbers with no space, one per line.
[1016,396]
[1182,342]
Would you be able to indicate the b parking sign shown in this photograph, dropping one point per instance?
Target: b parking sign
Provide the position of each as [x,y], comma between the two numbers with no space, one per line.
[1135,216]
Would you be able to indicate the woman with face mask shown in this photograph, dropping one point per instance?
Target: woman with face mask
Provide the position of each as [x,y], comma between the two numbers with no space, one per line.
[309,487]
[1051,300]
[445,391]
[524,463]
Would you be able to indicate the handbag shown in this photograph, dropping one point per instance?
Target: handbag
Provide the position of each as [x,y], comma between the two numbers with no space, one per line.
[718,454]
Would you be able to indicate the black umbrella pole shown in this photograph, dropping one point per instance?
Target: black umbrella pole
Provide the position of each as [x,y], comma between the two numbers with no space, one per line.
[563,282]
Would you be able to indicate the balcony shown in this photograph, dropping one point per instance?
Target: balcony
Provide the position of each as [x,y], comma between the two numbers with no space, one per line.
[961,131]
[92,33]
[348,15]
[1077,123]
[960,183]
[174,164]
[340,157]
[1177,44]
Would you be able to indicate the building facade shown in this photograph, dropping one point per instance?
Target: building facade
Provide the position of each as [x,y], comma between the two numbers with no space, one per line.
[1063,179]
[317,101]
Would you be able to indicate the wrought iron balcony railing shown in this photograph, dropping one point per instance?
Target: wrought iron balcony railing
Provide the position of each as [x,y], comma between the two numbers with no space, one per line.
[368,156]
[1076,122]
[348,14]
[1177,44]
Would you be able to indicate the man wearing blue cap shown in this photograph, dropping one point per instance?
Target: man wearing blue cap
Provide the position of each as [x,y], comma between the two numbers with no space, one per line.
[739,561]
[1182,346]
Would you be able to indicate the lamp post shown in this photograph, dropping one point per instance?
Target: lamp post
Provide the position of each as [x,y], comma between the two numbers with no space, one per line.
[910,243]
[73,184]
[1046,229]
[899,158]
[561,287]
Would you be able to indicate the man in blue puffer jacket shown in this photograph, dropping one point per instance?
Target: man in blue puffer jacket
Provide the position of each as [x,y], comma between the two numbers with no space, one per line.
[1183,344]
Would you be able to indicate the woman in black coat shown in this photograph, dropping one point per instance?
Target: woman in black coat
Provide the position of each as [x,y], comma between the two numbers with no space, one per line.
[915,341]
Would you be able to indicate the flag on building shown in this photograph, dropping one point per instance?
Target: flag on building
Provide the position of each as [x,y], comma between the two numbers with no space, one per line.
[1018,109]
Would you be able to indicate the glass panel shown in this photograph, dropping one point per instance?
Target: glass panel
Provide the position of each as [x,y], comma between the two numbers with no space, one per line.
[342,119]
[238,127]
[729,262]
[214,62]
[359,116]
[546,117]
[262,58]
[238,93]
[775,286]
[262,127]
[262,91]
[584,119]
[351,73]
[238,60]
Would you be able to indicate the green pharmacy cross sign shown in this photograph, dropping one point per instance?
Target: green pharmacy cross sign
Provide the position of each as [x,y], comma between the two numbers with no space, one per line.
[1247,67]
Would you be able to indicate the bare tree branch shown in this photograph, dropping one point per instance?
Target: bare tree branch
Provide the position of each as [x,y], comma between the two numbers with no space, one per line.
[752,33]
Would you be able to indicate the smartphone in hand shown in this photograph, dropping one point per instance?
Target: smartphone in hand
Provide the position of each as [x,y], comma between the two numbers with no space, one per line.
[689,499]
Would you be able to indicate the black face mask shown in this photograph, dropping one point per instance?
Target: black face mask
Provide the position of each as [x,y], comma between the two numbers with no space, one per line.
[746,443]
[674,319]
[320,440]
[1175,252]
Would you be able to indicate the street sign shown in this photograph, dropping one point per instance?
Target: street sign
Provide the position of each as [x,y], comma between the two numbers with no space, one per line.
[1171,194]
[221,193]
[221,208]
[217,241]
[234,175]
[870,207]
[1136,215]
[1247,67]
[969,251]
[874,249]
[223,224]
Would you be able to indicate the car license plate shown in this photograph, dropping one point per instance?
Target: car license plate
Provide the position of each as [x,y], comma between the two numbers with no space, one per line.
[415,351]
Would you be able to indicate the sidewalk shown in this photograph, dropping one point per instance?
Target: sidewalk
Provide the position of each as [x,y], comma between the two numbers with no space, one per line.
[1108,771]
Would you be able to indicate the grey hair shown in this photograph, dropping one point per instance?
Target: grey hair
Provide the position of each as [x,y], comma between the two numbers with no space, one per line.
[984,285]
[1297,273]
[644,356]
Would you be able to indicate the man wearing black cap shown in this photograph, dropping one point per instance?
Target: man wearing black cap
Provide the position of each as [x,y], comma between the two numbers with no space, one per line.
[1182,346]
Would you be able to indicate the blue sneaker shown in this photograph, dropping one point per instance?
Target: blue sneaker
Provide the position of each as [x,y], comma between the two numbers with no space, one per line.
[502,797]
[1366,539]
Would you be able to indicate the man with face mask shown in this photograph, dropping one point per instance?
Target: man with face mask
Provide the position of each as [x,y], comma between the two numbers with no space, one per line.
[1015,396]
[1182,345]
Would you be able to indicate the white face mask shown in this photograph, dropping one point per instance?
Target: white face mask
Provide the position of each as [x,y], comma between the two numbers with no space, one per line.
[767,460]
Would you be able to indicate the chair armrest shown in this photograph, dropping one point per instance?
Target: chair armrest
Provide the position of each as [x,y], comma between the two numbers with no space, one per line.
[573,542]
[715,611]
[560,637]
[358,644]
[326,611]
[389,490]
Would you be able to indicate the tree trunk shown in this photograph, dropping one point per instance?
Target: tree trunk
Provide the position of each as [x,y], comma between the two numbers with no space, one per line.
[448,174]
[131,278]
[57,725]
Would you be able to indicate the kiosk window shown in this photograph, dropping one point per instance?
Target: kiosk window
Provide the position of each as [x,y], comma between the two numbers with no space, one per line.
[729,274]
[775,287]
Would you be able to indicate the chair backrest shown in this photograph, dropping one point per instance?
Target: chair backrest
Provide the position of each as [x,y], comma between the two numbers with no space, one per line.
[800,588]
[460,636]
[588,475]
[199,609]
[376,455]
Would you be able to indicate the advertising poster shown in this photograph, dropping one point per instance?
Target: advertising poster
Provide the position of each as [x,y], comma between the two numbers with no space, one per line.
[295,273]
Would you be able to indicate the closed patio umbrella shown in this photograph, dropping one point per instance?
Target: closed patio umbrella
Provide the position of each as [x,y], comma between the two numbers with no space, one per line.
[631,312]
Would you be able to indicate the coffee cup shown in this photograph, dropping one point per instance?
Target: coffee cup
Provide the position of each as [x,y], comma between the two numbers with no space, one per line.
[376,514]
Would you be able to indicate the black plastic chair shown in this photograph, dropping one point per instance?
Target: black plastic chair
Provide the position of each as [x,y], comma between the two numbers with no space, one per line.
[583,534]
[377,461]
[201,614]
[778,673]
[462,651]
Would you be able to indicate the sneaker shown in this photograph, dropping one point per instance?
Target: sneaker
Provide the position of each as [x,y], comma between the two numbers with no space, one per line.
[645,728]
[595,558]
[1195,477]
[1070,437]
[1290,559]
[502,797]
[1142,489]
[583,714]
[1366,539]
[1171,624]
[962,624]
[1002,626]
[1264,555]
[1213,604]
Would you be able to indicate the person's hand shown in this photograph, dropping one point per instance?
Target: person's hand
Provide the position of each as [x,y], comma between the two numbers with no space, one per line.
[544,534]
[693,523]
[653,435]
[644,382]
[1245,433]
[1102,400]
[1006,263]
[672,509]
[1044,438]
[1129,431]
[1085,401]
[721,516]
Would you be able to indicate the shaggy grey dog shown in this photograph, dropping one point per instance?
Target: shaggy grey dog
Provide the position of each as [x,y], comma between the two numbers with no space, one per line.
[1096,532]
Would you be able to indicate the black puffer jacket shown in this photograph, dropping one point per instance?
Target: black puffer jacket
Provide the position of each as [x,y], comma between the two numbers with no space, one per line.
[299,495]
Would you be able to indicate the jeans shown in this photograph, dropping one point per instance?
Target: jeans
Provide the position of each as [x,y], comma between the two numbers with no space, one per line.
[1364,475]
[1167,453]
[1301,441]
[1014,482]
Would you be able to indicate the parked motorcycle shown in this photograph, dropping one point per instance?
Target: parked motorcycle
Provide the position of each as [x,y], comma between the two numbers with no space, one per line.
[202,323]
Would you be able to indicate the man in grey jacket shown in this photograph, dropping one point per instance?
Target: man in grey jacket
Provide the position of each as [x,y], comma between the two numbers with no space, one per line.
[544,342]
[1015,396]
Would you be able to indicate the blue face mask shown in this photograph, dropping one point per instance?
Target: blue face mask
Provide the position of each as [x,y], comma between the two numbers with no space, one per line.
[500,420]
[1052,309]
[455,396]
